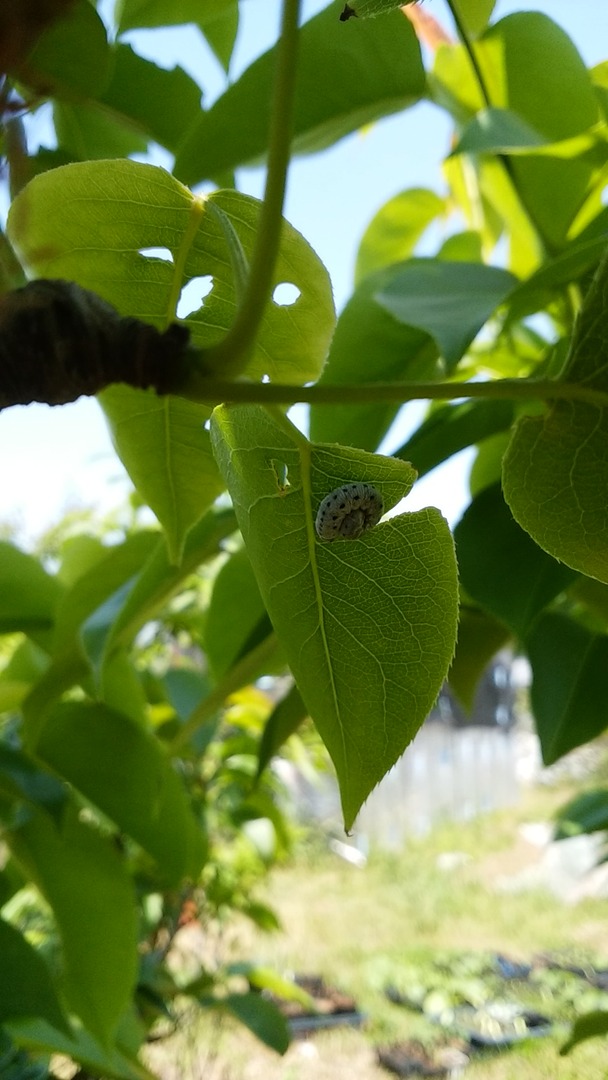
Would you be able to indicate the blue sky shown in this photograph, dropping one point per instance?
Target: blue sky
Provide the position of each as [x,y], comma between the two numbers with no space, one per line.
[62,458]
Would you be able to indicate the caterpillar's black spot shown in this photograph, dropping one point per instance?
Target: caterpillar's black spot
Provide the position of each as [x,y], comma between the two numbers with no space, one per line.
[360,508]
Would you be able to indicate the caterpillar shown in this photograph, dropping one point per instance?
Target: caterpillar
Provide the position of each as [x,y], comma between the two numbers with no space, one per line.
[348,512]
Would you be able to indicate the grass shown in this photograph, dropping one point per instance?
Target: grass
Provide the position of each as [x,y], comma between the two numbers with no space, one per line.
[360,928]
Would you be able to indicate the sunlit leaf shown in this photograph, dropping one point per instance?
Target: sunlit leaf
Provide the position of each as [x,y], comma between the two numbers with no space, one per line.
[368,626]
[394,231]
[347,77]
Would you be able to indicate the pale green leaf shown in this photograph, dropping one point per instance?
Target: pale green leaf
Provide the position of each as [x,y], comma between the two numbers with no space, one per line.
[394,231]
[368,626]
[450,428]
[90,222]
[347,77]
[475,13]
[83,878]
[122,769]
[86,132]
[163,445]
[26,988]
[449,300]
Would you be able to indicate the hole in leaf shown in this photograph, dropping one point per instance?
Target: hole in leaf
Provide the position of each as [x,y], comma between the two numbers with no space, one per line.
[193,294]
[207,425]
[282,475]
[157,253]
[286,294]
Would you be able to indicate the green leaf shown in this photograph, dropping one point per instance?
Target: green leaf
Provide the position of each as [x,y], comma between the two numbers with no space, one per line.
[21,779]
[40,1038]
[86,132]
[475,13]
[368,626]
[218,19]
[569,665]
[72,57]
[346,78]
[284,720]
[394,231]
[369,9]
[369,345]
[122,769]
[555,471]
[587,813]
[82,877]
[526,61]
[498,131]
[163,445]
[26,988]
[450,300]
[262,1017]
[161,103]
[236,612]
[90,221]
[28,595]
[450,428]
[588,1026]
[501,567]
[480,637]
[158,578]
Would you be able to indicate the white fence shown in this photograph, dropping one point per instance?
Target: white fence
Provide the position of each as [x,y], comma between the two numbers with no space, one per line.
[447,773]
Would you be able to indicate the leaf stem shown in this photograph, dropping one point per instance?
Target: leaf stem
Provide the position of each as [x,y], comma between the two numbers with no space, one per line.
[230,355]
[213,391]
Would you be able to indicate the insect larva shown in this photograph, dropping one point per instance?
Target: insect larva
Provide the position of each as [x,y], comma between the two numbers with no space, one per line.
[348,512]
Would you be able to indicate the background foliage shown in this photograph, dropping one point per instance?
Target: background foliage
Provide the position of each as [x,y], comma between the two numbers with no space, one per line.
[132,766]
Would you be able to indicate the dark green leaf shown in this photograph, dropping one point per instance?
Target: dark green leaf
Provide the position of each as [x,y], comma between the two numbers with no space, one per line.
[21,779]
[587,813]
[72,57]
[555,472]
[283,721]
[84,880]
[345,80]
[86,132]
[368,626]
[262,1017]
[40,1038]
[218,19]
[121,768]
[450,428]
[450,301]
[588,1026]
[501,567]
[480,637]
[26,988]
[568,694]
[369,345]
[162,104]
[235,611]
[28,595]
